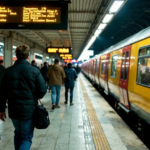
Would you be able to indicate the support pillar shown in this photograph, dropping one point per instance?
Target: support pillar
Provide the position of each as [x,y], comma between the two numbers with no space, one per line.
[32,56]
[8,48]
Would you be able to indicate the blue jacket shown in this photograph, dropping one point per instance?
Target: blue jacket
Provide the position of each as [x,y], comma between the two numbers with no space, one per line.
[73,77]
[44,71]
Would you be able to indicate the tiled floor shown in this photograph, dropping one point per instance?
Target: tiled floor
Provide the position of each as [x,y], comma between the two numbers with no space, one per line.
[69,129]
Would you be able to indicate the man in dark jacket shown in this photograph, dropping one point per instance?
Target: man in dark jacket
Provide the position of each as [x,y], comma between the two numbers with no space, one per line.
[2,70]
[78,69]
[71,75]
[33,63]
[22,85]
[44,71]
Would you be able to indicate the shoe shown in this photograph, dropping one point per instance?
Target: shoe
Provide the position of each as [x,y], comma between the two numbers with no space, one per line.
[71,104]
[57,106]
[66,102]
[53,107]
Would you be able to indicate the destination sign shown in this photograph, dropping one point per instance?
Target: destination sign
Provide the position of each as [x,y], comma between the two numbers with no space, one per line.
[41,15]
[30,14]
[66,56]
[58,50]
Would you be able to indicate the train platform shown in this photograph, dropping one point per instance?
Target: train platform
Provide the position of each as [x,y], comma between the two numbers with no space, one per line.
[90,124]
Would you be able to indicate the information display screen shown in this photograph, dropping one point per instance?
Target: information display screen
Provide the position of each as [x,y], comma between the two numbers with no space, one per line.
[54,50]
[66,56]
[37,15]
[30,14]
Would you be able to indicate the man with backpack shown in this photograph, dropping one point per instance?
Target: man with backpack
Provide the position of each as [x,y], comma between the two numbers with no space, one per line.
[71,75]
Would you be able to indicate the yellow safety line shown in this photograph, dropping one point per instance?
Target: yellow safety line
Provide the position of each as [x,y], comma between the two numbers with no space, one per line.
[99,137]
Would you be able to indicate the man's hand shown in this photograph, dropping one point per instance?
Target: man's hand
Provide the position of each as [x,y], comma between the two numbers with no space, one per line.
[2,116]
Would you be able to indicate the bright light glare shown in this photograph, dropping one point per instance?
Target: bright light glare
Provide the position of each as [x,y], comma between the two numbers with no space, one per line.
[115,6]
[38,54]
[107,18]
[85,54]
[97,32]
[47,57]
[14,47]
[102,26]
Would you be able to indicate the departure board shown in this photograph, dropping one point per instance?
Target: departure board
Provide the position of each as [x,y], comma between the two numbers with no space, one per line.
[30,15]
[38,15]
[58,50]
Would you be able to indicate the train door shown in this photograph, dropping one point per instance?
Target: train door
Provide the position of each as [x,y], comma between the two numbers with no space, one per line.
[124,73]
[106,73]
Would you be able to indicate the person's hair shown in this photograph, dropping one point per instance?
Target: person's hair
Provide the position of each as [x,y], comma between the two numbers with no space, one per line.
[56,61]
[32,62]
[1,61]
[22,52]
[45,63]
[69,65]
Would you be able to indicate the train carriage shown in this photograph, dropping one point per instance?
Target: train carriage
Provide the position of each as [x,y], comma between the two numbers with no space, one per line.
[123,71]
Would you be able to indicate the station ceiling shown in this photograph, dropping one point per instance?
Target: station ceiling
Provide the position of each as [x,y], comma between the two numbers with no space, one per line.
[82,14]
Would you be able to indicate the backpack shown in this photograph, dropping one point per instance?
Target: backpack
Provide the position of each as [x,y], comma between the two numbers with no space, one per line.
[68,76]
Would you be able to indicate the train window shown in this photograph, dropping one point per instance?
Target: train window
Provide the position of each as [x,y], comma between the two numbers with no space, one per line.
[123,64]
[114,66]
[106,68]
[143,71]
[127,66]
[103,65]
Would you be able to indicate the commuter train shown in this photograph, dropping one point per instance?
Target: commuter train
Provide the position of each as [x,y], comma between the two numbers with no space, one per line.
[123,71]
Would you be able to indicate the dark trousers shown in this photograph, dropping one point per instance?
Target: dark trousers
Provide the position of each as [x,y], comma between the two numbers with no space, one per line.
[71,93]
[47,84]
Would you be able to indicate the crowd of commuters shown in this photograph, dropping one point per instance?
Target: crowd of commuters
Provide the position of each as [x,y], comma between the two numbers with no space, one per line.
[22,84]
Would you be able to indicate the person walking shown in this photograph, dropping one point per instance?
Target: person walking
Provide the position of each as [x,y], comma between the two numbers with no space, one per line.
[78,69]
[33,63]
[20,85]
[71,76]
[56,77]
[2,70]
[44,71]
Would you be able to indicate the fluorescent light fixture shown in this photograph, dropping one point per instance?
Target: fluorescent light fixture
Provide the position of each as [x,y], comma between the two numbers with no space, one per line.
[38,54]
[107,18]
[1,43]
[14,47]
[97,32]
[115,6]
[102,26]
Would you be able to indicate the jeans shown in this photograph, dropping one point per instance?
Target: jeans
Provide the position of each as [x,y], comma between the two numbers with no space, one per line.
[23,134]
[55,94]
[71,93]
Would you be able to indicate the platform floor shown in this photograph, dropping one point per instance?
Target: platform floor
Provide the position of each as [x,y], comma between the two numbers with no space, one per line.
[90,124]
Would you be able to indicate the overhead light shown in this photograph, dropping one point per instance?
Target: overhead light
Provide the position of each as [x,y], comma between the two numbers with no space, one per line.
[102,26]
[47,57]
[115,6]
[14,47]
[37,54]
[107,18]
[97,32]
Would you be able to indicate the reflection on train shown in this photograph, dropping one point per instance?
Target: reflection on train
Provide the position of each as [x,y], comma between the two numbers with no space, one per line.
[123,71]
